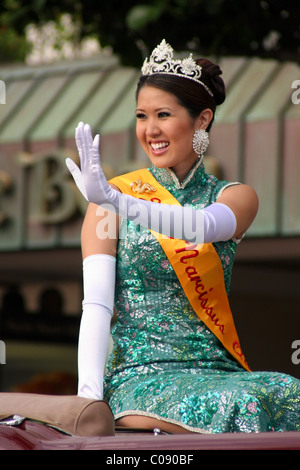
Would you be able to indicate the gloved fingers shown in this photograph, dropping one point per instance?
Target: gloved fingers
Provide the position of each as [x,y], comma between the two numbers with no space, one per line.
[95,156]
[87,145]
[95,149]
[91,157]
[72,167]
[79,139]
[90,180]
[77,176]
[83,138]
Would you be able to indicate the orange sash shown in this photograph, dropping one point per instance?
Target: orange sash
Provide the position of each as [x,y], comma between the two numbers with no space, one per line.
[198,267]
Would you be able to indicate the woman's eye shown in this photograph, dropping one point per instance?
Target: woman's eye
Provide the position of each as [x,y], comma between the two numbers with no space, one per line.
[163,114]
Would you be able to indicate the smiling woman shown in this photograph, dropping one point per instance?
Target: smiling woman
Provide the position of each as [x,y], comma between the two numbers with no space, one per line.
[165,130]
[176,362]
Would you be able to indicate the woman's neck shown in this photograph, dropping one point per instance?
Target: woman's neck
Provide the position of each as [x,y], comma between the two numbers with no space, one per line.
[182,171]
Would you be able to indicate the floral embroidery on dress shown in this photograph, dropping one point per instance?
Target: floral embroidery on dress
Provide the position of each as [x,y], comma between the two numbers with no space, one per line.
[165,362]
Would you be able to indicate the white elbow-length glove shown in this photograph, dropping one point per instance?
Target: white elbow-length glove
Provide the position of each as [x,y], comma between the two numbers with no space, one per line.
[97,310]
[216,222]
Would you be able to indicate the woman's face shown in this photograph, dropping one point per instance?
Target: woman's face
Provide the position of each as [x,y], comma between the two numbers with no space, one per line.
[165,130]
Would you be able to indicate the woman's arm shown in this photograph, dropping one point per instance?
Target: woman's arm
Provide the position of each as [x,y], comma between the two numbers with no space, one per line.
[218,222]
[99,265]
[93,242]
[243,201]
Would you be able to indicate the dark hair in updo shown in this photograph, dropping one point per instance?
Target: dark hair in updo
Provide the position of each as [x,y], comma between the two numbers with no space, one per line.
[193,96]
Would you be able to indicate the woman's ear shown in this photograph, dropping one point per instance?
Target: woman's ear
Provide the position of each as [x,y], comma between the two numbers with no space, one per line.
[204,118]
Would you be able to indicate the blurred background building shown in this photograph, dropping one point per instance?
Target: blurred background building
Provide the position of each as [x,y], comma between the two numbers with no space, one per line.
[255,139]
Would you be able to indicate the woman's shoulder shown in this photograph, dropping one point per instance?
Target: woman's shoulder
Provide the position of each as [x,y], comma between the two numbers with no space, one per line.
[216,186]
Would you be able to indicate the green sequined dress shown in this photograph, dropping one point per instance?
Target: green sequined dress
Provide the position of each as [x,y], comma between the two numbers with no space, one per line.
[165,362]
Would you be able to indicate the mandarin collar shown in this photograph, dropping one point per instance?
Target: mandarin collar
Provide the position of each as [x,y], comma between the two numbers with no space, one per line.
[168,178]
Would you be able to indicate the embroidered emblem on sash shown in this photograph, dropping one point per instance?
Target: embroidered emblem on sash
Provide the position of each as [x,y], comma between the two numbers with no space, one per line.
[139,187]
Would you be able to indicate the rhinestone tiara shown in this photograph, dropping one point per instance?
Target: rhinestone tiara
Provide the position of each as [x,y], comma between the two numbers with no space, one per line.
[161,61]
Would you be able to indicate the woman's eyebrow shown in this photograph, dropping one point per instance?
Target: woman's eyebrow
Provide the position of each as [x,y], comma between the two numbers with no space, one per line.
[157,109]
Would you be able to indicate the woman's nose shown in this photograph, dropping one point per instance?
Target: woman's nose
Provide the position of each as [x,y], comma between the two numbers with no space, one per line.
[153,128]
